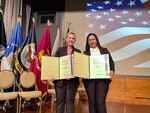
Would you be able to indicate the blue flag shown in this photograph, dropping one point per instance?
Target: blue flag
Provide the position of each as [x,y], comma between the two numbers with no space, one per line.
[27,52]
[15,42]
[9,56]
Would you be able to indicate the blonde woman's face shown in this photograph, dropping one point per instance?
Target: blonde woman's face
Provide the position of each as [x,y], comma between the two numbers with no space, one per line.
[92,41]
[70,40]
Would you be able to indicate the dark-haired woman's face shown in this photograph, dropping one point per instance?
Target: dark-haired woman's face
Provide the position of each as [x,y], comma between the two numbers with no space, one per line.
[92,41]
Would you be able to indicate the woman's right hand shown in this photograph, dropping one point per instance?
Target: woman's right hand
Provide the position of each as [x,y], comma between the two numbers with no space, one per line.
[67,78]
[52,79]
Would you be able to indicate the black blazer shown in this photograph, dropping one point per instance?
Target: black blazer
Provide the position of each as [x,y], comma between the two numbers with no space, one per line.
[62,51]
[111,62]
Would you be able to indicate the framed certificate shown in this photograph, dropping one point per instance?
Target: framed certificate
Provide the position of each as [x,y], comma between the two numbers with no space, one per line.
[56,67]
[91,67]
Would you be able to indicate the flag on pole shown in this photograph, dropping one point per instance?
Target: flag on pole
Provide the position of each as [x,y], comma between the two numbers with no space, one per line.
[56,43]
[9,56]
[68,30]
[14,44]
[27,52]
[2,36]
[44,48]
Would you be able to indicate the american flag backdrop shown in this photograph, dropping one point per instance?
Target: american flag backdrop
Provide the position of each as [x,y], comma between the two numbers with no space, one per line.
[123,26]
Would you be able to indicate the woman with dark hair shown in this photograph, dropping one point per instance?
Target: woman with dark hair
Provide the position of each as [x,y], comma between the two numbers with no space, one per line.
[97,89]
[66,88]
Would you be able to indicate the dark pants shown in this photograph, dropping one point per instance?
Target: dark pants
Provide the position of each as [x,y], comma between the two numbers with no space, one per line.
[65,95]
[97,91]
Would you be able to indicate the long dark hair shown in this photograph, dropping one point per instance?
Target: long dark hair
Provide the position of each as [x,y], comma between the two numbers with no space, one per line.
[87,46]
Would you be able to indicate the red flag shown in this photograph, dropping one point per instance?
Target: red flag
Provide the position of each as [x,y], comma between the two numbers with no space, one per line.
[44,48]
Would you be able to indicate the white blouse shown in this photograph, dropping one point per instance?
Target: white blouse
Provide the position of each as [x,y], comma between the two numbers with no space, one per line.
[95,51]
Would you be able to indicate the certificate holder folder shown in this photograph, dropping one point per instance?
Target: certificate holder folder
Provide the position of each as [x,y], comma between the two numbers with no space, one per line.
[91,67]
[56,67]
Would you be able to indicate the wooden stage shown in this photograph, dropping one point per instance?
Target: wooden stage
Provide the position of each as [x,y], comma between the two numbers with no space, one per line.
[82,107]
[126,95]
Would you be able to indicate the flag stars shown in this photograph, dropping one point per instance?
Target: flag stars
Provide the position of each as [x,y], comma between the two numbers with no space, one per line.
[88,4]
[131,20]
[145,22]
[12,44]
[110,19]
[105,13]
[93,10]
[98,17]
[100,7]
[88,15]
[90,26]
[102,27]
[120,13]
[106,2]
[112,10]
[117,16]
[132,3]
[138,13]
[124,12]
[124,23]
[119,3]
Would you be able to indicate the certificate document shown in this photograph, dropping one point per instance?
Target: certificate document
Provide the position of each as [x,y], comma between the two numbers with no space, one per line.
[91,67]
[56,67]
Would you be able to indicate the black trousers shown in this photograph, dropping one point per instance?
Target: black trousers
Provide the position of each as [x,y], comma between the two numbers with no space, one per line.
[97,91]
[65,95]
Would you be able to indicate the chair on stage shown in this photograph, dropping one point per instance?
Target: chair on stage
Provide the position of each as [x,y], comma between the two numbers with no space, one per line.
[52,93]
[7,80]
[81,89]
[28,80]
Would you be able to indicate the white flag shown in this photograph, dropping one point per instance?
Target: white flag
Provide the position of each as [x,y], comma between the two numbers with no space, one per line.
[56,43]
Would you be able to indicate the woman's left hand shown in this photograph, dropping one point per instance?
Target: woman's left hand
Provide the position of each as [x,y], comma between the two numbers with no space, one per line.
[111,74]
[44,81]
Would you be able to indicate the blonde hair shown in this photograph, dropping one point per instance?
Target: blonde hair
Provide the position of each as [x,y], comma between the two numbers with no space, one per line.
[71,33]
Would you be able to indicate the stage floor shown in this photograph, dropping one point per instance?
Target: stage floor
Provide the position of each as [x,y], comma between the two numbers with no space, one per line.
[82,107]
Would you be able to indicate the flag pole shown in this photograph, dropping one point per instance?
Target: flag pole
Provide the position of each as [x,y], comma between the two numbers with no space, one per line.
[19,18]
[33,20]
[68,30]
[69,23]
[48,23]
